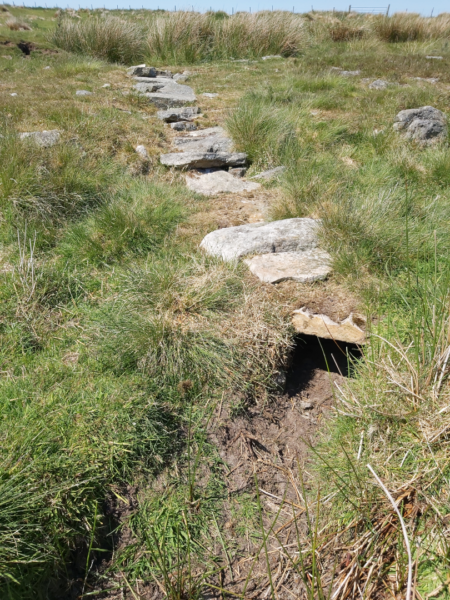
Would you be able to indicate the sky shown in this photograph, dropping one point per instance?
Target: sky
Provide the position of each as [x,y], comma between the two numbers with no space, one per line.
[433,7]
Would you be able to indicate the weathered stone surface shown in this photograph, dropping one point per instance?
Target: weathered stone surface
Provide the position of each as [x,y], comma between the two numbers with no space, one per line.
[183,126]
[219,182]
[378,84]
[426,124]
[324,327]
[144,71]
[288,235]
[154,80]
[180,77]
[142,151]
[173,115]
[214,142]
[305,267]
[171,95]
[270,174]
[238,171]
[209,131]
[83,93]
[45,139]
[203,160]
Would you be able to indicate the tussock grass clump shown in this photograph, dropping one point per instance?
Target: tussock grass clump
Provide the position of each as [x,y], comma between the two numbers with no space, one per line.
[264,131]
[47,187]
[135,222]
[108,38]
[401,27]
[16,25]
[189,37]
[178,319]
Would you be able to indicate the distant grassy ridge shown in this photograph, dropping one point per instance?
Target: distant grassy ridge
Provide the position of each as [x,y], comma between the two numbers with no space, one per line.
[189,37]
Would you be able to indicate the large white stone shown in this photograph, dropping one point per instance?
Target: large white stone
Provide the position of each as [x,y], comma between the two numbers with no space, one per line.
[288,235]
[322,326]
[304,267]
[219,182]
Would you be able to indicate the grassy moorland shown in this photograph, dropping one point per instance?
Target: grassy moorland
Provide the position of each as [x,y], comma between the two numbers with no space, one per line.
[121,341]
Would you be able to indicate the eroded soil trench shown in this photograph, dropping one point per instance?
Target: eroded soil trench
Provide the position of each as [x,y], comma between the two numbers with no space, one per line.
[269,448]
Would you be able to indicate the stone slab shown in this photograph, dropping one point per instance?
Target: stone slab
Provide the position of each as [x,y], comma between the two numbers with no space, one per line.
[174,115]
[209,143]
[323,327]
[203,160]
[219,182]
[172,95]
[288,235]
[183,126]
[304,267]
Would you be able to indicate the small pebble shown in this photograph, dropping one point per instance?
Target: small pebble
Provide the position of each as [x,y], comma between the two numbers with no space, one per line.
[83,93]
[208,95]
[142,151]
[46,68]
[106,85]
[14,94]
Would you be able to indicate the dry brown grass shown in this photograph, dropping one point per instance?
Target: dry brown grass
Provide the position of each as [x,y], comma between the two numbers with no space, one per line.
[16,25]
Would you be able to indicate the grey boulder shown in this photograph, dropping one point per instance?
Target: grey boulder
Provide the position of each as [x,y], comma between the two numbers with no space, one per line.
[173,115]
[45,139]
[426,124]
[203,160]
[219,182]
[288,235]
[305,267]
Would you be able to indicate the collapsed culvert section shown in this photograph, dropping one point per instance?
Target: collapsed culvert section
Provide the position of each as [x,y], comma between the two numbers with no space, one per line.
[317,360]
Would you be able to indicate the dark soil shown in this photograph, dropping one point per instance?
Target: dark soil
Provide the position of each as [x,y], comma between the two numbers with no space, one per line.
[270,443]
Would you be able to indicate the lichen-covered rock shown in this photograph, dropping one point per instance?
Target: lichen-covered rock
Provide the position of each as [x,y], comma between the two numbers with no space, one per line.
[426,124]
